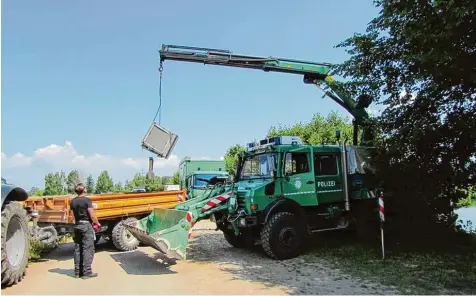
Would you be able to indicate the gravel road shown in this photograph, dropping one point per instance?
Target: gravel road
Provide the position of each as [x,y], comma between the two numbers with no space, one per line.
[212,267]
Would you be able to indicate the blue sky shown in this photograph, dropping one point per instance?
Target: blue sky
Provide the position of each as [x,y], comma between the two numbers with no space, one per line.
[80,79]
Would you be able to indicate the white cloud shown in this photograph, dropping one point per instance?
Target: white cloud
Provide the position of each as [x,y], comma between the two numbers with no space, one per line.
[66,157]
[29,170]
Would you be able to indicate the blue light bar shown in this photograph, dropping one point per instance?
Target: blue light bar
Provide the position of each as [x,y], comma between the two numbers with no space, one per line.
[279,140]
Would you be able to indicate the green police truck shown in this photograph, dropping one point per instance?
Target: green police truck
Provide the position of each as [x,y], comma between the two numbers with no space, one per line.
[195,175]
[284,189]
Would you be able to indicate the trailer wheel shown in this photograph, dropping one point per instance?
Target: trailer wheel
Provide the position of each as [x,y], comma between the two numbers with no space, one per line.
[98,238]
[282,236]
[15,243]
[122,239]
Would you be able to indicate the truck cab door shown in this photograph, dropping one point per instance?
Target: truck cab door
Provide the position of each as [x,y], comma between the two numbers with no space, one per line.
[298,176]
[328,176]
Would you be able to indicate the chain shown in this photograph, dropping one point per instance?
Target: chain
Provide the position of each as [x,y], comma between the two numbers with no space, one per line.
[159,110]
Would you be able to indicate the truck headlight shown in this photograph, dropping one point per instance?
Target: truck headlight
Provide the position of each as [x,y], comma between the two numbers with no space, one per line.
[242,222]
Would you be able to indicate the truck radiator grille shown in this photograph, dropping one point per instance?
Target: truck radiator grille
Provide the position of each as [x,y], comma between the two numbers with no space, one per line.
[240,199]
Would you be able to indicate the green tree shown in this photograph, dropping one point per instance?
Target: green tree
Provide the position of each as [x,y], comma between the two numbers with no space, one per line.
[72,180]
[34,191]
[118,187]
[104,183]
[55,184]
[149,183]
[231,158]
[138,181]
[319,130]
[90,184]
[64,187]
[175,179]
[425,51]
[166,179]
[153,183]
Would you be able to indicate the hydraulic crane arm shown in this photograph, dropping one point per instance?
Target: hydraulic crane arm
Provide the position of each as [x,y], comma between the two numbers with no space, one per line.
[313,73]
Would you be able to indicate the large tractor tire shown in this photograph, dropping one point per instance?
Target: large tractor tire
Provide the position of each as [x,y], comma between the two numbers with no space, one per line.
[282,236]
[15,243]
[122,239]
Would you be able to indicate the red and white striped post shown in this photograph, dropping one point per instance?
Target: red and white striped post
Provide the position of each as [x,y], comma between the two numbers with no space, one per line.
[381,211]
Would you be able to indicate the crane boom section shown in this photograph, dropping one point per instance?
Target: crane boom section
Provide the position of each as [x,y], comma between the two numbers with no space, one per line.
[227,58]
[313,73]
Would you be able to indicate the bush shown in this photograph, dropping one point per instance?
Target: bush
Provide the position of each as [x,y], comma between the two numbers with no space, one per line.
[36,248]
[470,199]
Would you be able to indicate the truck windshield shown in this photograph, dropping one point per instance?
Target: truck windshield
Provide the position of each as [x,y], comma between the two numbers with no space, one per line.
[259,165]
[202,184]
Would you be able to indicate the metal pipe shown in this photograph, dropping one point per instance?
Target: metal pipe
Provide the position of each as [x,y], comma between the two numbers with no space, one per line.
[151,166]
[344,175]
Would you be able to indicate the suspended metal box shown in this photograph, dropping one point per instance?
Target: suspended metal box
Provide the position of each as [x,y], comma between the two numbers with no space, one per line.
[159,141]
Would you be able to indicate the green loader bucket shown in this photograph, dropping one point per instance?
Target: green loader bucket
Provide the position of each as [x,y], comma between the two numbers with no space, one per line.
[165,230]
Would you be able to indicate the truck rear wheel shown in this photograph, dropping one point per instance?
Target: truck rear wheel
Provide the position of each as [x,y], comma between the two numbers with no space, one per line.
[122,239]
[15,243]
[282,236]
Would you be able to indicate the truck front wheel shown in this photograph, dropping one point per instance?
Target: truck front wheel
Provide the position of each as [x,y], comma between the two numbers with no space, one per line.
[15,243]
[122,239]
[282,236]
[243,240]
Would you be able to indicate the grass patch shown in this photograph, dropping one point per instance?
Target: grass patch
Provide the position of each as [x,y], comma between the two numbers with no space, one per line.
[409,272]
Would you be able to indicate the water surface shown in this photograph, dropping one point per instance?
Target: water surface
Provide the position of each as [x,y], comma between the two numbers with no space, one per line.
[467,214]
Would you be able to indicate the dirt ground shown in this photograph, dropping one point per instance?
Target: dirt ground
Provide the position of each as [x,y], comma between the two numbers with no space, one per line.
[212,267]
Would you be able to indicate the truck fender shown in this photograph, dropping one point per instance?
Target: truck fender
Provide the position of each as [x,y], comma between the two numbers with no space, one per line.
[13,193]
[285,205]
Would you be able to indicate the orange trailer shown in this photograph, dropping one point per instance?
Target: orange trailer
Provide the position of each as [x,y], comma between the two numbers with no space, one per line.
[52,217]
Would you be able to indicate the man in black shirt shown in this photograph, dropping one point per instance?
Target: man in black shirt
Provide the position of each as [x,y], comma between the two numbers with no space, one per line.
[84,235]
